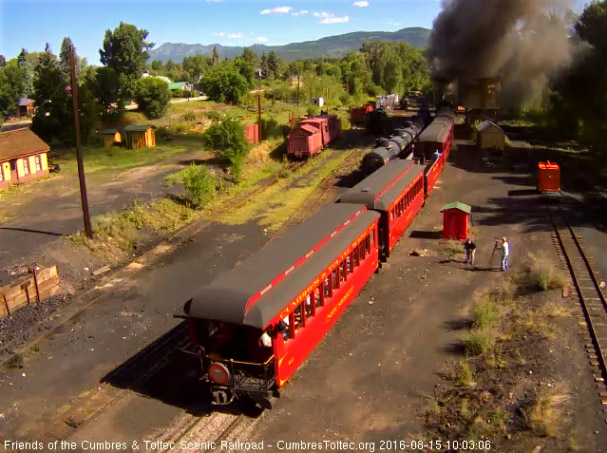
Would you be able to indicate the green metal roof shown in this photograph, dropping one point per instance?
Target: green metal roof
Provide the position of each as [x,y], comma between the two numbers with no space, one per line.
[109,131]
[136,128]
[177,85]
[457,205]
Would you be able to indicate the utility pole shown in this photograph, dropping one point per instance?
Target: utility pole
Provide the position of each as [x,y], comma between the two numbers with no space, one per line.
[85,203]
[297,90]
[259,113]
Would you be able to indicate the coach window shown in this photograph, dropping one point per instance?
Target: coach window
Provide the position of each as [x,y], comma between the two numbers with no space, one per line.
[361,250]
[335,279]
[298,315]
[355,257]
[350,262]
[329,285]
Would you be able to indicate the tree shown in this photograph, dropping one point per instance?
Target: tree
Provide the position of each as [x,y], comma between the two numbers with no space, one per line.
[157,65]
[264,65]
[2,61]
[52,119]
[64,57]
[225,84]
[227,139]
[214,56]
[195,66]
[273,64]
[105,87]
[125,50]
[153,96]
[22,58]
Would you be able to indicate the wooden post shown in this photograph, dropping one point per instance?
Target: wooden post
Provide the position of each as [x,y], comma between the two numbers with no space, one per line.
[8,310]
[36,284]
[83,196]
[27,292]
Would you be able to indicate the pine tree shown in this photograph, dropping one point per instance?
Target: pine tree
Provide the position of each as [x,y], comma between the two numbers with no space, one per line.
[214,56]
[2,61]
[64,57]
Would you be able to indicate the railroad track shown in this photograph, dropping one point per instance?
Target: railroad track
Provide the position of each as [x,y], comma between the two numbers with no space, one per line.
[205,434]
[118,384]
[591,296]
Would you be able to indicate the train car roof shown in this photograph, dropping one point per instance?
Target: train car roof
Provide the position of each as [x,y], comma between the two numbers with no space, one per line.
[241,295]
[437,131]
[383,186]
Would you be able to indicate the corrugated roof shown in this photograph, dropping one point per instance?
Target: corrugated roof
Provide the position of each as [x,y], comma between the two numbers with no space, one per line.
[177,85]
[457,205]
[20,142]
[136,128]
[25,101]
[486,125]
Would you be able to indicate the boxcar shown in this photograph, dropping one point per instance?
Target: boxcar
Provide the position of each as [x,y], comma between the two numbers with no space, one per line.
[396,191]
[253,326]
[334,128]
[304,142]
[358,114]
[322,124]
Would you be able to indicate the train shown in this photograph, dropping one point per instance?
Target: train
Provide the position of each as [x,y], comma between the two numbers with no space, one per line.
[398,144]
[255,325]
[313,135]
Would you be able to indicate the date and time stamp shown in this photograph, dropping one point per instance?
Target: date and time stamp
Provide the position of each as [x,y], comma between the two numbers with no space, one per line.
[389,445]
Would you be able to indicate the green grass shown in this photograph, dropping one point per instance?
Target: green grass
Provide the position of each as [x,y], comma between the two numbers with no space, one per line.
[485,313]
[544,272]
[479,341]
[117,158]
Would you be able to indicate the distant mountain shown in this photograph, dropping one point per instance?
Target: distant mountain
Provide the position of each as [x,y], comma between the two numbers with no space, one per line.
[332,46]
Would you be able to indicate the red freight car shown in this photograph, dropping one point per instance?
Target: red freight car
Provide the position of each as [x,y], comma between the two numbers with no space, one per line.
[322,124]
[304,142]
[253,326]
[334,128]
[396,191]
[358,115]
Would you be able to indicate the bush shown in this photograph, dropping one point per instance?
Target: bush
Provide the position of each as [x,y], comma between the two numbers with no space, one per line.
[153,96]
[227,139]
[224,84]
[479,342]
[271,129]
[199,184]
[544,273]
[485,313]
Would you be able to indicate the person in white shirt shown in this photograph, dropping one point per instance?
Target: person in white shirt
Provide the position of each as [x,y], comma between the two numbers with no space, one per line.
[265,340]
[505,249]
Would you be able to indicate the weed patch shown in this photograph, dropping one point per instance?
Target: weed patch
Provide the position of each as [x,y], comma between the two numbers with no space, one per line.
[479,341]
[544,272]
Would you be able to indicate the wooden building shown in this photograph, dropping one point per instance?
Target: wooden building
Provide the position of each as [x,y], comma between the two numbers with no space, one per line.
[132,137]
[111,137]
[490,136]
[23,156]
[456,220]
[135,137]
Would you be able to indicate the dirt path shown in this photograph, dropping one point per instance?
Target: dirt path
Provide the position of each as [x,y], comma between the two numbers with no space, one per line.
[52,208]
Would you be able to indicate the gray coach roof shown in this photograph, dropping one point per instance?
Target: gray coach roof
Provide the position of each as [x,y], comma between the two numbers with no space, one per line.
[227,297]
[382,187]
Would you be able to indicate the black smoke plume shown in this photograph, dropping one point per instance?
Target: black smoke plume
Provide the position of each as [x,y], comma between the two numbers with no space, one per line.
[519,43]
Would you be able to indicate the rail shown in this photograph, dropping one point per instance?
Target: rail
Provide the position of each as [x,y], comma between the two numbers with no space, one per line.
[591,296]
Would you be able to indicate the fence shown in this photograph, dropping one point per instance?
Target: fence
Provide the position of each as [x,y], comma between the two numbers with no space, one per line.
[38,286]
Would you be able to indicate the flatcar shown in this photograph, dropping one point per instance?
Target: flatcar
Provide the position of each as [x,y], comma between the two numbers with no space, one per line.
[254,325]
[396,192]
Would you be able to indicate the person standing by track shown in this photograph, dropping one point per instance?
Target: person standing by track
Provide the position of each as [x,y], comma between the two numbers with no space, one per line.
[470,248]
[505,252]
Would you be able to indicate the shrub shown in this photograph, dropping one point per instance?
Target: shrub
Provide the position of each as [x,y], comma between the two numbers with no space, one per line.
[485,313]
[464,374]
[153,96]
[227,139]
[199,184]
[479,342]
[544,273]
[271,129]
[545,413]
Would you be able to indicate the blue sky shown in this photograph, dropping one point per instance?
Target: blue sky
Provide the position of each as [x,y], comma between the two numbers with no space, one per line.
[30,24]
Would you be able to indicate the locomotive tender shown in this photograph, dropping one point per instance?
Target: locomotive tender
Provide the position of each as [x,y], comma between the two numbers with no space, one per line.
[253,326]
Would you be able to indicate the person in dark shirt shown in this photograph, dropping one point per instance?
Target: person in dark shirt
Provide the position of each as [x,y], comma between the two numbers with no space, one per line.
[470,248]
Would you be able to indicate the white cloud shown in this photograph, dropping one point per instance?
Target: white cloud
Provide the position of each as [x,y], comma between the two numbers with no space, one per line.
[235,35]
[361,4]
[277,10]
[295,14]
[335,20]
[304,11]
[221,33]
[261,39]
[330,18]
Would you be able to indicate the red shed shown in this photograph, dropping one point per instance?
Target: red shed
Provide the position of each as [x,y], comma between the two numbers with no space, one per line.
[548,177]
[304,142]
[251,133]
[456,217]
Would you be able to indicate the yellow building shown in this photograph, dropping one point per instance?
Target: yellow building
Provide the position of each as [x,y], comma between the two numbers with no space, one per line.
[138,136]
[111,137]
[23,156]
[490,136]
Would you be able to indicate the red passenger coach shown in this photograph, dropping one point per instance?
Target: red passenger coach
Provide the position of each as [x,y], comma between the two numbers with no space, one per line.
[396,191]
[253,326]
[433,172]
